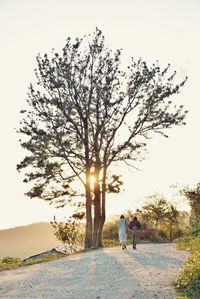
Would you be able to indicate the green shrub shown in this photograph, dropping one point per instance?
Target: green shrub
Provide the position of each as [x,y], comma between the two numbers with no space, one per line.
[10,260]
[9,263]
[188,281]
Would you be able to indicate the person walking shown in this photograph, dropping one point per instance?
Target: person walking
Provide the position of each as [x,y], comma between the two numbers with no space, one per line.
[134,226]
[122,231]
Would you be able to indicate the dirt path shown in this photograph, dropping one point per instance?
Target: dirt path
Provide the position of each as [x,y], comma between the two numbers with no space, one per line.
[110,273]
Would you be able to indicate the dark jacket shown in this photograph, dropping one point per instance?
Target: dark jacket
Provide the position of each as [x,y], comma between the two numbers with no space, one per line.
[134,223]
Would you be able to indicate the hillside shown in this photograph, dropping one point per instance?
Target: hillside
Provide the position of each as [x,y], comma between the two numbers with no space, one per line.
[24,241]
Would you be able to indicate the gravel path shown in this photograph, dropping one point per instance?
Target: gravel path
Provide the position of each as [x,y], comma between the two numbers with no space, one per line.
[109,273]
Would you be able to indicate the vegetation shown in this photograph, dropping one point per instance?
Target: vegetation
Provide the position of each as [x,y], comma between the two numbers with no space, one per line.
[73,127]
[110,242]
[110,232]
[70,232]
[8,263]
[160,221]
[163,231]
[188,282]
[193,197]
[163,216]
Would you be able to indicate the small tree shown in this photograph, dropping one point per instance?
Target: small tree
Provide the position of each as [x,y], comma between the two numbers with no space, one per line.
[173,217]
[69,232]
[154,211]
[160,212]
[87,114]
[193,197]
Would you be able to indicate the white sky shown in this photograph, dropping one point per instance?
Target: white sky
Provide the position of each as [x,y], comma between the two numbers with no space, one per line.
[168,31]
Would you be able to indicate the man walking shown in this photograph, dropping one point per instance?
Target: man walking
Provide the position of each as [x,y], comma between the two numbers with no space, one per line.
[134,226]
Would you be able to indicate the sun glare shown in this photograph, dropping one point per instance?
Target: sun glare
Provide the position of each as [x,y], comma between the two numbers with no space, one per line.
[92,179]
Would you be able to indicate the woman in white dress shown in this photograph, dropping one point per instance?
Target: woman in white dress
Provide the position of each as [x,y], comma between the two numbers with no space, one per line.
[122,231]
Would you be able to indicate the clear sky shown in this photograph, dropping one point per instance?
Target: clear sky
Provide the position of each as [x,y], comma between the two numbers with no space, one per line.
[168,31]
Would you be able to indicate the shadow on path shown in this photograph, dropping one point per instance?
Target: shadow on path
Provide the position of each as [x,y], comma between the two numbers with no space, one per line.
[109,273]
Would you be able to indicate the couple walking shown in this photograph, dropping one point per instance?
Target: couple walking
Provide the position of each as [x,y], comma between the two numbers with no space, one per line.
[123,227]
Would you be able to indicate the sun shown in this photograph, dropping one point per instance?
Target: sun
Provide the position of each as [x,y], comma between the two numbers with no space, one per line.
[92,180]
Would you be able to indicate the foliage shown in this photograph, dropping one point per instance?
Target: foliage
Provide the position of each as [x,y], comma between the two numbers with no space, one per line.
[146,233]
[11,260]
[161,214]
[69,232]
[110,230]
[188,281]
[195,226]
[154,210]
[193,196]
[10,263]
[86,114]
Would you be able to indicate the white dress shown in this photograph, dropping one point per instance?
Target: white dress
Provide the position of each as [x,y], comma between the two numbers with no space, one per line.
[122,227]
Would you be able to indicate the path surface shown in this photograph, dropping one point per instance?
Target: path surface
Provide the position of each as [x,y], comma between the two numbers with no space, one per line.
[109,273]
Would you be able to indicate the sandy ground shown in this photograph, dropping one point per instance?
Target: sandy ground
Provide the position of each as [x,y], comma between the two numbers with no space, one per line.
[109,273]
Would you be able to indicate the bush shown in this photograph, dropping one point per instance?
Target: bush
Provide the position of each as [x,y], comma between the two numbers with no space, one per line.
[9,263]
[10,260]
[69,232]
[188,281]
[110,230]
[149,234]
[179,232]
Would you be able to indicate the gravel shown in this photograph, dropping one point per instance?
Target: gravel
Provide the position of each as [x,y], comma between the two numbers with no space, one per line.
[108,273]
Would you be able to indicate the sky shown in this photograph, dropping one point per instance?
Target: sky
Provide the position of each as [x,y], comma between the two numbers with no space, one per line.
[167,31]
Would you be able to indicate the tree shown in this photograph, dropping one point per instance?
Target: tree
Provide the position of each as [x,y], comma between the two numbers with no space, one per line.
[193,196]
[154,211]
[158,211]
[87,114]
[173,217]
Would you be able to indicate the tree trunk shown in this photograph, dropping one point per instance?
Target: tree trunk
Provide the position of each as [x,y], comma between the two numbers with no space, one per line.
[103,209]
[97,208]
[170,232]
[88,230]
[156,223]
[99,212]
[102,221]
